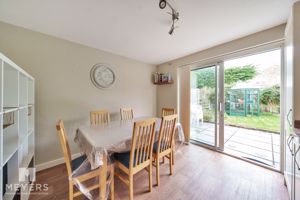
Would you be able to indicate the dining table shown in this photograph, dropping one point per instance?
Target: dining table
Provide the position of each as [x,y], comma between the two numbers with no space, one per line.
[99,142]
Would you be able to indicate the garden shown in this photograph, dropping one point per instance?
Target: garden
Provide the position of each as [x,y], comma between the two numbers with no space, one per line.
[246,105]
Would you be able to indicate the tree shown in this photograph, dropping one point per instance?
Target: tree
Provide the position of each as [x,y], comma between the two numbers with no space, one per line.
[206,76]
[270,97]
[235,74]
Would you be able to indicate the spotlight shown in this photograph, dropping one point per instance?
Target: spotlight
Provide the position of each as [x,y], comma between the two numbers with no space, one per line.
[162,4]
[171,30]
[174,14]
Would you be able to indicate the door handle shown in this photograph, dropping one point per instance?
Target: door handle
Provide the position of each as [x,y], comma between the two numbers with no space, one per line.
[288,117]
[220,107]
[289,140]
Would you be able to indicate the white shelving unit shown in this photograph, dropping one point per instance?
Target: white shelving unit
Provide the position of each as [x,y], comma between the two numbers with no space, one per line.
[17,128]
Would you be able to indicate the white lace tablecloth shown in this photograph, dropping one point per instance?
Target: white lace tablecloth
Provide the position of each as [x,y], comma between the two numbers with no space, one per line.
[99,140]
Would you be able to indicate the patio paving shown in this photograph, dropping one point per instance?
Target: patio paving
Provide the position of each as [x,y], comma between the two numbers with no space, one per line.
[260,146]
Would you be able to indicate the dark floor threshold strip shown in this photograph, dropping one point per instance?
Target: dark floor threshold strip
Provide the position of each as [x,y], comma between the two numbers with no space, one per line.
[257,161]
[238,153]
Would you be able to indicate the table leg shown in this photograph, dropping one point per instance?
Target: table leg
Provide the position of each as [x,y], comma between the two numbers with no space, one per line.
[103,178]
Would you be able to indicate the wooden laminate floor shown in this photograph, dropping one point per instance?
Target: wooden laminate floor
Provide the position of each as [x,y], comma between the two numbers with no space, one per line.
[199,174]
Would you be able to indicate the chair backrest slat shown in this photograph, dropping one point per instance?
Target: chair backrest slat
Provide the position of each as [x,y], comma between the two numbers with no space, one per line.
[64,145]
[126,113]
[166,133]
[167,111]
[147,147]
[142,142]
[142,153]
[137,151]
[99,117]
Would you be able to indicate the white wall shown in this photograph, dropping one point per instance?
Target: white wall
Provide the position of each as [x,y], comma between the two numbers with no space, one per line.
[296,47]
[63,87]
[167,95]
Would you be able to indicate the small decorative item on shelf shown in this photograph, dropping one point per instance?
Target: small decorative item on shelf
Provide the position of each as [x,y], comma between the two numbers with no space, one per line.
[8,119]
[161,79]
[156,77]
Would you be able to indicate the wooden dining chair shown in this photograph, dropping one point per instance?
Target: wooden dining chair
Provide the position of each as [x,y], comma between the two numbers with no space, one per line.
[75,164]
[163,147]
[140,156]
[126,113]
[167,111]
[99,117]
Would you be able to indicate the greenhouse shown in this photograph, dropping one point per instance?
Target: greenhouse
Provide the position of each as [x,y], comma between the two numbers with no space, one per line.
[243,102]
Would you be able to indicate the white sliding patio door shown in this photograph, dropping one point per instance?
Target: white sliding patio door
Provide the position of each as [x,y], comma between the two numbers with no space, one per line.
[205,105]
[235,106]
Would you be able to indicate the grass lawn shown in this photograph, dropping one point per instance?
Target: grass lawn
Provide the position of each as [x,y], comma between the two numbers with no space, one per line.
[266,121]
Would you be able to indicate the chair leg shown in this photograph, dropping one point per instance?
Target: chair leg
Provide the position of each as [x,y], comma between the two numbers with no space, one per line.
[171,163]
[157,170]
[130,186]
[103,179]
[112,185]
[150,177]
[71,190]
[173,156]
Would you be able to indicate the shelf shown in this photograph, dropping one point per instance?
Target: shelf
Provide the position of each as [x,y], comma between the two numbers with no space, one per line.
[23,123]
[164,83]
[10,109]
[13,109]
[10,86]
[30,91]
[12,175]
[16,67]
[10,147]
[8,196]
[26,160]
[31,119]
[7,125]
[17,122]
[25,194]
[23,107]
[23,90]
[23,138]
[31,145]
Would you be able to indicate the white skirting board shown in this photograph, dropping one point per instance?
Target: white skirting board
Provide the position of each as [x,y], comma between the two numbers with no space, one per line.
[53,163]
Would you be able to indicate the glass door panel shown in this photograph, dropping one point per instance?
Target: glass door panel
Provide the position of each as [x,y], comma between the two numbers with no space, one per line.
[203,107]
[252,116]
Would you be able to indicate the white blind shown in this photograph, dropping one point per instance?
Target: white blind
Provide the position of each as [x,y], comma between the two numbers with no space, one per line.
[184,100]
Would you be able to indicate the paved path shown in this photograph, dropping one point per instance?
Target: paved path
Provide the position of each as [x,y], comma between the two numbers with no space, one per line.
[256,145]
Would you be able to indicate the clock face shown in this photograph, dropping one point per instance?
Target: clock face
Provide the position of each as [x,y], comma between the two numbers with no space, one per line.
[102,76]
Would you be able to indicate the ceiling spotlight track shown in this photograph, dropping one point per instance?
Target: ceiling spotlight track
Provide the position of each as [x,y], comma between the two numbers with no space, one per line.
[173,13]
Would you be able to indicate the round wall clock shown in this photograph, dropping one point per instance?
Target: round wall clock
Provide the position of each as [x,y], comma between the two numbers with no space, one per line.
[102,76]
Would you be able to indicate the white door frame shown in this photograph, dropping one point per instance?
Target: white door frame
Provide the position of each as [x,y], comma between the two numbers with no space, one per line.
[220,99]
[216,66]
[221,107]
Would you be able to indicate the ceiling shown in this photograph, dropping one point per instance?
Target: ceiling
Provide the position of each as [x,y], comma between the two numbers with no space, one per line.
[138,29]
